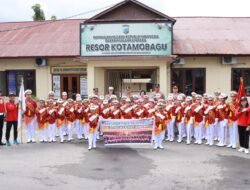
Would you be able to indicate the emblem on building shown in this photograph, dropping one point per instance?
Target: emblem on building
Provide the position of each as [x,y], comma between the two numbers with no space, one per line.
[125,29]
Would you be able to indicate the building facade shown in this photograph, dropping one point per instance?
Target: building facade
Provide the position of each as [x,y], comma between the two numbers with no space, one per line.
[128,45]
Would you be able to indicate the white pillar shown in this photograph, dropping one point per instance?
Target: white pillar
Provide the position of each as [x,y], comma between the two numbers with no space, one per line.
[163,77]
[91,78]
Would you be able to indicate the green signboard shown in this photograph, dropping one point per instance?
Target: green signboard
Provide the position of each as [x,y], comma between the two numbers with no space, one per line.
[126,39]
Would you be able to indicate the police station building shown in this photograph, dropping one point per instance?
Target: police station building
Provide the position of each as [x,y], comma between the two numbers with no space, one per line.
[127,45]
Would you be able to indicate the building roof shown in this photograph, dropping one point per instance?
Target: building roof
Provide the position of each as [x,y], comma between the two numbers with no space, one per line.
[192,36]
[212,35]
[134,10]
[40,38]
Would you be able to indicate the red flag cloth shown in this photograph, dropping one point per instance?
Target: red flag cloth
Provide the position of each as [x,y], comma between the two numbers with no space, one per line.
[241,90]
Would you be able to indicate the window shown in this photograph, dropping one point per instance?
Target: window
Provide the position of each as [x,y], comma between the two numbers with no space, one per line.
[236,74]
[3,82]
[189,80]
[15,77]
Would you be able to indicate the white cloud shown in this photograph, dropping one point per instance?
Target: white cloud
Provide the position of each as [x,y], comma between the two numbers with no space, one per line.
[18,10]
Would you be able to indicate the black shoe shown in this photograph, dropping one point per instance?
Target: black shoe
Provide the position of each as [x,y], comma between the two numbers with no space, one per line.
[2,144]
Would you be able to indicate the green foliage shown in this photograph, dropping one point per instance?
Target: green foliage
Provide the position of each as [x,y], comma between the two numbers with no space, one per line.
[53,17]
[38,12]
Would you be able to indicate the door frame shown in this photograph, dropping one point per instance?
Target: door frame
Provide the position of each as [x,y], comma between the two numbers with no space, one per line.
[69,76]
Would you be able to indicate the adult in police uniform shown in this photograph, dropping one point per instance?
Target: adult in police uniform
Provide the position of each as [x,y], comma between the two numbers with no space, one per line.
[11,118]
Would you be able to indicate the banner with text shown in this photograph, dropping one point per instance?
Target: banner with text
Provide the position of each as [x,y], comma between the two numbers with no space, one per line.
[126,39]
[127,131]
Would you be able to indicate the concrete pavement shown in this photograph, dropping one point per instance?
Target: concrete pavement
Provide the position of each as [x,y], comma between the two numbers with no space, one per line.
[71,166]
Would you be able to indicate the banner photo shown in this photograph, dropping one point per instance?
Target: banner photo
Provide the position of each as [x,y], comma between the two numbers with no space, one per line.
[127,131]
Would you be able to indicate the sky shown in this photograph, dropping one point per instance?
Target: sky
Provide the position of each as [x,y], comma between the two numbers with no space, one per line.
[20,10]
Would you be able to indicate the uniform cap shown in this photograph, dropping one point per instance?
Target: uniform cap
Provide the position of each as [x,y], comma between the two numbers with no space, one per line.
[198,97]
[111,88]
[64,93]
[233,93]
[28,91]
[51,93]
[105,102]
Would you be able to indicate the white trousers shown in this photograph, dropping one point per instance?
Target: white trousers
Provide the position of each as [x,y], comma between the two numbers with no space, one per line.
[31,130]
[52,131]
[159,138]
[78,128]
[62,132]
[222,132]
[198,132]
[216,130]
[189,128]
[43,134]
[180,127]
[86,130]
[233,133]
[92,139]
[210,134]
[70,127]
[170,129]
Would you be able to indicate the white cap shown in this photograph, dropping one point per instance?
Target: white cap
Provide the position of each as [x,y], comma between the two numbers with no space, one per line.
[193,93]
[70,100]
[51,93]
[78,99]
[111,88]
[64,93]
[198,97]
[113,96]
[158,95]
[188,98]
[210,97]
[124,97]
[151,100]
[78,95]
[135,96]
[128,100]
[101,97]
[28,91]
[233,93]
[170,98]
[59,101]
[179,98]
[115,102]
[222,96]
[105,102]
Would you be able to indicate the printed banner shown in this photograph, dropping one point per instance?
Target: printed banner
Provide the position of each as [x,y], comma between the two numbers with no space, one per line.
[127,131]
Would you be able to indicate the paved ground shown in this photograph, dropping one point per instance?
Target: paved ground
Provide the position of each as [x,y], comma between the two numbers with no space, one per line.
[71,166]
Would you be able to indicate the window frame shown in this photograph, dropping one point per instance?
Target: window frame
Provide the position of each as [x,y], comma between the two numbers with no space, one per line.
[183,70]
[232,76]
[24,71]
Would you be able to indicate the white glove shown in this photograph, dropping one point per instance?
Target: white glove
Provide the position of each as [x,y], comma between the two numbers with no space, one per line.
[71,110]
[65,103]
[61,110]
[42,110]
[51,111]
[80,110]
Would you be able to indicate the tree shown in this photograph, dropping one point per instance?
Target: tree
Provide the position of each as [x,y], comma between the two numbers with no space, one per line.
[38,12]
[53,17]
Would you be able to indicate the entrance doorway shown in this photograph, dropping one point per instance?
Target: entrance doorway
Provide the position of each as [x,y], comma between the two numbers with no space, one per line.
[71,85]
[136,79]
